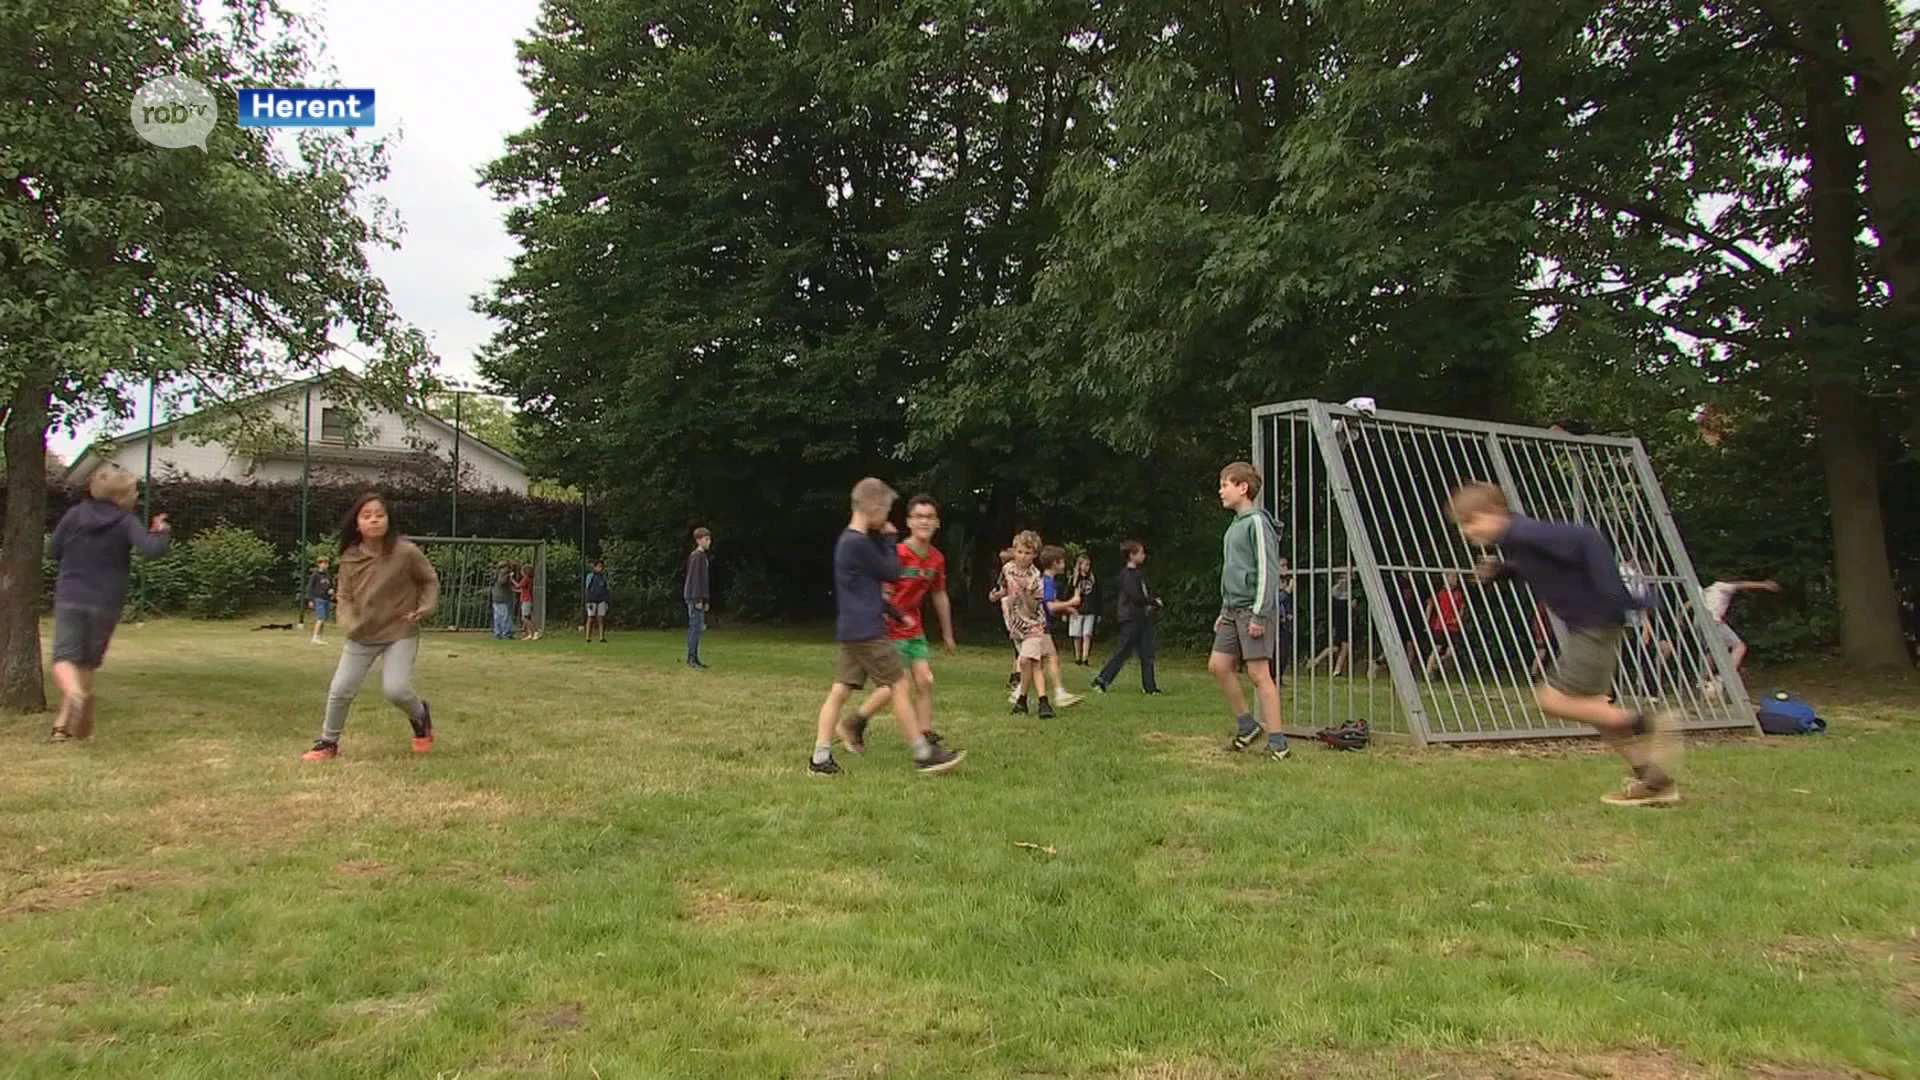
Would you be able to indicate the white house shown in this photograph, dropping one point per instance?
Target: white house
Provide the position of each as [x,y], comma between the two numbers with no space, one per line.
[349,439]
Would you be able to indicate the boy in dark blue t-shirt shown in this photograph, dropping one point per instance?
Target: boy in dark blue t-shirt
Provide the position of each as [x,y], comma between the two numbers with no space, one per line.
[865,560]
[1572,571]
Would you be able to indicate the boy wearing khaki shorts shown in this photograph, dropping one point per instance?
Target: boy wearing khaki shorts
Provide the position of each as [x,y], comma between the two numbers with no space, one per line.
[865,560]
[1247,629]
[1022,608]
[1574,574]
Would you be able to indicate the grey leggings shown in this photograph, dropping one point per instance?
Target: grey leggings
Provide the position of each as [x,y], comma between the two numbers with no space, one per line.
[396,680]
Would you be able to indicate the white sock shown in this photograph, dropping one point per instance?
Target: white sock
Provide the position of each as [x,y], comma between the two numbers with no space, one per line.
[922,748]
[822,753]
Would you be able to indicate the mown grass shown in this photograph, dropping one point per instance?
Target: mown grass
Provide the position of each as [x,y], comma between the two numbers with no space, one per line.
[613,867]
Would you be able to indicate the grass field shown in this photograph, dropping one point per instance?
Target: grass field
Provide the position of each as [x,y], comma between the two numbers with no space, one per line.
[612,867]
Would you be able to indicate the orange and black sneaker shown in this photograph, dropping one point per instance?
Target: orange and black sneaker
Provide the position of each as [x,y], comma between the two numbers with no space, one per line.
[1638,792]
[422,730]
[322,751]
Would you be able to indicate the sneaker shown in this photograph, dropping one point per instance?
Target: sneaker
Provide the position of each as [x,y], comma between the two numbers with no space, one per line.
[1019,705]
[1243,740]
[939,761]
[422,729]
[322,751]
[58,735]
[1097,686]
[828,767]
[1013,680]
[934,738]
[1279,753]
[1155,692]
[697,664]
[1067,699]
[1637,792]
[1045,711]
[853,733]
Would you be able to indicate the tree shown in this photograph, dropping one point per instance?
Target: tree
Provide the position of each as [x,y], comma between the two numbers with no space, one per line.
[122,262]
[480,415]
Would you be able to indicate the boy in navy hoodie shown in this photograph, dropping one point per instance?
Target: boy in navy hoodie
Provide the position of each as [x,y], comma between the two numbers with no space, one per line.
[1574,574]
[92,543]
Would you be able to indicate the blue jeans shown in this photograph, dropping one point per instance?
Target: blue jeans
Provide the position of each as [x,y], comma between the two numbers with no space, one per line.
[503,621]
[696,623]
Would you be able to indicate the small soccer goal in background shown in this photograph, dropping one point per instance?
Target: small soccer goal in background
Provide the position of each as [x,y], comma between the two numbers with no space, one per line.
[1389,623]
[467,565]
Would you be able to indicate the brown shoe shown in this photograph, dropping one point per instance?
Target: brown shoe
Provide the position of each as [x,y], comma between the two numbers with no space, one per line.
[1637,792]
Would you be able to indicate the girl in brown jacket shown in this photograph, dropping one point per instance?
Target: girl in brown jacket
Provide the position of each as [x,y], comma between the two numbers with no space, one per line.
[385,586]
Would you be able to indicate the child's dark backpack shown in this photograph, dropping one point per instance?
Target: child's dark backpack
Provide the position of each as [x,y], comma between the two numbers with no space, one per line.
[1784,714]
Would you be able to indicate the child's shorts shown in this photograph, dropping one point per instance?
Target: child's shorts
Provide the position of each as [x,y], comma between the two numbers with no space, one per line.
[1588,661]
[1233,635]
[322,608]
[1037,647]
[597,609]
[875,659]
[526,609]
[1080,626]
[912,650]
[81,635]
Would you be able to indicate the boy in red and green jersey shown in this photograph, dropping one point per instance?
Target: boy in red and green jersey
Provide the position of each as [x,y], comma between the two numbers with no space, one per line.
[923,575]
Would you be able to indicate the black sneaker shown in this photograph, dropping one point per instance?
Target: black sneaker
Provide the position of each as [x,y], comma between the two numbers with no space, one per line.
[1097,686]
[697,664]
[1013,679]
[1244,739]
[853,733]
[938,761]
[828,767]
[423,727]
[1155,692]
[1019,706]
[1045,712]
[934,738]
[1279,753]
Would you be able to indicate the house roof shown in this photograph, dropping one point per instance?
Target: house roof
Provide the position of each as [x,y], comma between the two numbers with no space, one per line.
[96,452]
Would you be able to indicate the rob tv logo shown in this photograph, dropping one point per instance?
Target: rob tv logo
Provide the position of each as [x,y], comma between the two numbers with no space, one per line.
[292,107]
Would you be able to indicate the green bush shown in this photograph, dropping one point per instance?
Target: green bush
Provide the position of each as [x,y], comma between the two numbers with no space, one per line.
[227,570]
[645,590]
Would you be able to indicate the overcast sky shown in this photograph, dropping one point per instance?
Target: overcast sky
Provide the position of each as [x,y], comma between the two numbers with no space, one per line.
[449,92]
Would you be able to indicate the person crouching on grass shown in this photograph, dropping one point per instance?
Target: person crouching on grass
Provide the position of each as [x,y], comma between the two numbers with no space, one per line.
[386,586]
[92,543]
[1573,573]
[865,561]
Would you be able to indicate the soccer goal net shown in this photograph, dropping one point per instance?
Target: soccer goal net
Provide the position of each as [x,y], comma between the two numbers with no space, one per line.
[468,568]
[1389,623]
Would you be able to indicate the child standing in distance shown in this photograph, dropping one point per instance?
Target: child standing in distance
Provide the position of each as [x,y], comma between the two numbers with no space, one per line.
[1247,629]
[320,596]
[923,575]
[1054,604]
[502,598]
[1086,615]
[865,561]
[599,599]
[1022,608]
[523,586]
[93,543]
[1137,605]
[698,593]
[1443,621]
[386,587]
[1572,571]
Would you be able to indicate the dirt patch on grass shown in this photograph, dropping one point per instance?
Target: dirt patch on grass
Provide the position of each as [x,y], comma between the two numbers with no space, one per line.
[405,1005]
[75,889]
[712,905]
[567,1016]
[1526,1063]
[361,867]
[1204,751]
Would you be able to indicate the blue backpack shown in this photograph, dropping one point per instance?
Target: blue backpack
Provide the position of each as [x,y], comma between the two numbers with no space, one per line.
[1784,714]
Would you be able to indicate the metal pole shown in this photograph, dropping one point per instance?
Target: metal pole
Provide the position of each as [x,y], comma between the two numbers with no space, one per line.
[146,492]
[453,528]
[306,478]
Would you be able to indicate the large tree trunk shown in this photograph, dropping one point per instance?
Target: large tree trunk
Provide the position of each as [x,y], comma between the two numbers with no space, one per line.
[1893,166]
[1870,631]
[21,546]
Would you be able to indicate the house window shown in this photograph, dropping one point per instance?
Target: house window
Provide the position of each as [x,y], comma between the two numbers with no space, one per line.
[333,425]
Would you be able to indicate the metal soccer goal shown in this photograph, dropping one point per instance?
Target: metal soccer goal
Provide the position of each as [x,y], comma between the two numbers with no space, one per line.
[466,568]
[1389,623]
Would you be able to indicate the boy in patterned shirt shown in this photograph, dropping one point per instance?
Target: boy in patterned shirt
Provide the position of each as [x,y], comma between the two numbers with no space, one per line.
[1022,607]
[923,575]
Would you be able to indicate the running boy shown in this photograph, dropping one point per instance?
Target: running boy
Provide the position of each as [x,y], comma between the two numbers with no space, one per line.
[1572,571]
[599,599]
[1248,627]
[698,593]
[923,574]
[1137,605]
[92,543]
[865,560]
[1022,607]
[320,596]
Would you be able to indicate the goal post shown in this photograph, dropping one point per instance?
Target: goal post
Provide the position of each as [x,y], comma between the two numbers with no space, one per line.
[466,566]
[1390,625]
